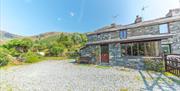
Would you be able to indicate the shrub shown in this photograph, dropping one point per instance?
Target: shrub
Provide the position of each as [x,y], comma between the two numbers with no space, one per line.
[56,51]
[154,64]
[31,57]
[20,45]
[4,57]
[14,52]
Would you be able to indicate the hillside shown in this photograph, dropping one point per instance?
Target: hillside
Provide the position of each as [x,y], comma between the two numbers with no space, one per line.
[44,35]
[6,35]
[50,37]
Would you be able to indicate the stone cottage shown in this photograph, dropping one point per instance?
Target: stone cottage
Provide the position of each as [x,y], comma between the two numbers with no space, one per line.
[131,44]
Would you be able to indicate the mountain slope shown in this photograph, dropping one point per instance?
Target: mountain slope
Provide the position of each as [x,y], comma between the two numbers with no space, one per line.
[49,35]
[6,35]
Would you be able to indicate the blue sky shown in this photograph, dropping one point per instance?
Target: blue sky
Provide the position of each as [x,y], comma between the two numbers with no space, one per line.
[31,17]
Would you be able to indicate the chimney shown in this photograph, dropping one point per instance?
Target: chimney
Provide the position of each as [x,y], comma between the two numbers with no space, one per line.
[113,25]
[138,19]
[173,12]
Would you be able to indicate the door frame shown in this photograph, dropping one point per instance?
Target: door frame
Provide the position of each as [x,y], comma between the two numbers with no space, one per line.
[107,46]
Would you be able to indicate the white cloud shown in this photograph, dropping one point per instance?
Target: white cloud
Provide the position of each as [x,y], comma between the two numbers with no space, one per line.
[72,14]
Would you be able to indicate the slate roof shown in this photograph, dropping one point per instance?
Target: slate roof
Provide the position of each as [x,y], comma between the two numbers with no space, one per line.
[135,25]
[134,39]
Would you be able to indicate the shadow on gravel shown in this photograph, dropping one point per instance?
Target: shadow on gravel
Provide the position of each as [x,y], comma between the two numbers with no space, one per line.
[156,80]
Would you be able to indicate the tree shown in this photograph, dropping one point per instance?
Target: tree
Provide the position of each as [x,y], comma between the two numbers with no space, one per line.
[76,38]
[20,45]
[4,56]
[56,51]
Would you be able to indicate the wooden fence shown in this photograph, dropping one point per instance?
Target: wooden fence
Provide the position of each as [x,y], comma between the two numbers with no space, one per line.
[172,64]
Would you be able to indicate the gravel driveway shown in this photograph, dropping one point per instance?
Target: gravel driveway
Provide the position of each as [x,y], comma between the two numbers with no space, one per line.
[66,76]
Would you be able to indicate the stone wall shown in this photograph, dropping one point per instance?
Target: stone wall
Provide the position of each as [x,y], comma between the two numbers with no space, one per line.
[138,62]
[92,38]
[174,28]
[131,62]
[103,36]
[114,35]
[114,53]
[130,32]
[93,52]
[143,31]
[85,52]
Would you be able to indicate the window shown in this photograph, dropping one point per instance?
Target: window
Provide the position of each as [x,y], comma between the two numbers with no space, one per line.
[123,34]
[163,28]
[129,49]
[135,49]
[166,48]
[123,50]
[150,48]
[141,49]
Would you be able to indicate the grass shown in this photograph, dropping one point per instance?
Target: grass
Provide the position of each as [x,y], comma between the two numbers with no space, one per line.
[55,58]
[168,74]
[11,64]
[124,69]
[16,63]
[7,87]
[103,67]
[137,78]
[96,66]
[124,89]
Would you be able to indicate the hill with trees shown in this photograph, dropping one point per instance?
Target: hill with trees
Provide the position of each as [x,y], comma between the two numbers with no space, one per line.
[32,48]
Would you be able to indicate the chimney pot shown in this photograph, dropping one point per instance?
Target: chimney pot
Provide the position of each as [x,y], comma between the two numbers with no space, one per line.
[138,19]
[113,25]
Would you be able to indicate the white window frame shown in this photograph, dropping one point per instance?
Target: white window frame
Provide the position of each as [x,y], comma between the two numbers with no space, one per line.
[163,28]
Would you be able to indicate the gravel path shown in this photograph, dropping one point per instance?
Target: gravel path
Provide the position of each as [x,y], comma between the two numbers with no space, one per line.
[66,76]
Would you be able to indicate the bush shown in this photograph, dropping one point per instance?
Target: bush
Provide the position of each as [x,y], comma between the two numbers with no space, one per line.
[154,64]
[56,51]
[4,57]
[31,57]
[20,45]
[14,52]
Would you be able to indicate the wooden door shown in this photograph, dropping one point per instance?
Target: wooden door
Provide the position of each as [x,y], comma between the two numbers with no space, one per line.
[105,53]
